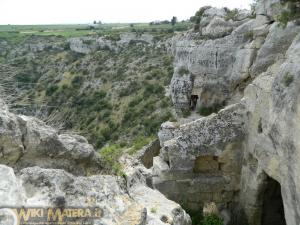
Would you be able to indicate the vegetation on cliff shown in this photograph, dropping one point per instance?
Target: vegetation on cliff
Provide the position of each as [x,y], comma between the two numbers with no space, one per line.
[109,96]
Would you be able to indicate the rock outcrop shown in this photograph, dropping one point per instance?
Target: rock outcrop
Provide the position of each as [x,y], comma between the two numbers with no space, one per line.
[211,64]
[35,187]
[86,45]
[244,157]
[202,162]
[26,141]
[46,169]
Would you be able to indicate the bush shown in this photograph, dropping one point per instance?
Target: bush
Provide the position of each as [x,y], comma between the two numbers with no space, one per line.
[198,16]
[211,220]
[206,111]
[287,16]
[249,35]
[77,81]
[292,13]
[196,216]
[231,14]
[153,89]
[182,71]
[287,79]
[139,142]
[186,113]
[133,87]
[51,89]
[110,155]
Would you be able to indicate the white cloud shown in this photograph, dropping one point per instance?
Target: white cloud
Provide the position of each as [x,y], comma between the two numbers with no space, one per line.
[85,11]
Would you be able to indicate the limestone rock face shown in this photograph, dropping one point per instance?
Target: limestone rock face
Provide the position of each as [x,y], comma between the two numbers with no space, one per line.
[274,47]
[86,45]
[46,169]
[83,45]
[270,8]
[201,163]
[26,141]
[245,157]
[34,187]
[213,63]
[272,142]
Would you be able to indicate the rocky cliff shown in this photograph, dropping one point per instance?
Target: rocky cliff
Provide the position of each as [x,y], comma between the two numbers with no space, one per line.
[234,146]
[238,78]
[42,168]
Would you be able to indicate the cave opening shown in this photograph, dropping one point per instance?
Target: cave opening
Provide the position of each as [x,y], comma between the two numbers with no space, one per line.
[272,211]
[193,101]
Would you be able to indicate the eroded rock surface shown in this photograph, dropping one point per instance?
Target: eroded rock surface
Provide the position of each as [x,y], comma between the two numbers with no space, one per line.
[201,163]
[35,187]
[244,158]
[26,141]
[46,169]
[212,64]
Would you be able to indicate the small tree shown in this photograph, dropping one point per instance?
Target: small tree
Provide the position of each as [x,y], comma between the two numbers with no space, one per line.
[95,22]
[174,20]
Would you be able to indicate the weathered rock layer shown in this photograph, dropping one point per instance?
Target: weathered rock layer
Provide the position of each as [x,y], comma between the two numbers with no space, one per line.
[244,157]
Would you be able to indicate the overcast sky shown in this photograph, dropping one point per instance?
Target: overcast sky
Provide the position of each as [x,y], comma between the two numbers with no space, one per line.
[85,11]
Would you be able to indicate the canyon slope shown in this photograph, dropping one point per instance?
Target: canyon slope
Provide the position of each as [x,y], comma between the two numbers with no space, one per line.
[231,139]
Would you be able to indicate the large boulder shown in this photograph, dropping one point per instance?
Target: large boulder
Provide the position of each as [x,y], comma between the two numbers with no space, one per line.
[54,188]
[26,141]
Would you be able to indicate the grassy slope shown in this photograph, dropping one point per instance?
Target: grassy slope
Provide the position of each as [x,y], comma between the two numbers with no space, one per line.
[108,97]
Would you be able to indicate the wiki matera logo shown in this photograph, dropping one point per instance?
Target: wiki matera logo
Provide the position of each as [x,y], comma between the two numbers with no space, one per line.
[53,216]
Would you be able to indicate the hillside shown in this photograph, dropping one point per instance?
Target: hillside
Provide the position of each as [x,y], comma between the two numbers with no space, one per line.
[111,88]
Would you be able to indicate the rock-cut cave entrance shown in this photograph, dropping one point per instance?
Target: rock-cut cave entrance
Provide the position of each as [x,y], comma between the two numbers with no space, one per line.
[193,101]
[272,211]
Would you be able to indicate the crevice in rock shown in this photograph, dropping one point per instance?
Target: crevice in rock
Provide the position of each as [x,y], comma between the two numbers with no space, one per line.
[259,128]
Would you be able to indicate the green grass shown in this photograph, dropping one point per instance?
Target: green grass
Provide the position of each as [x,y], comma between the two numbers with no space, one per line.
[76,30]
[211,220]
[139,143]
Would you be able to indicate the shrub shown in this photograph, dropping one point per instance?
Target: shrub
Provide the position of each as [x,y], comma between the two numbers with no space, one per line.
[151,89]
[197,18]
[139,142]
[26,77]
[287,79]
[77,81]
[287,16]
[130,89]
[231,14]
[182,71]
[110,155]
[186,113]
[206,111]
[211,220]
[51,89]
[196,216]
[249,35]
[292,13]
[153,210]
